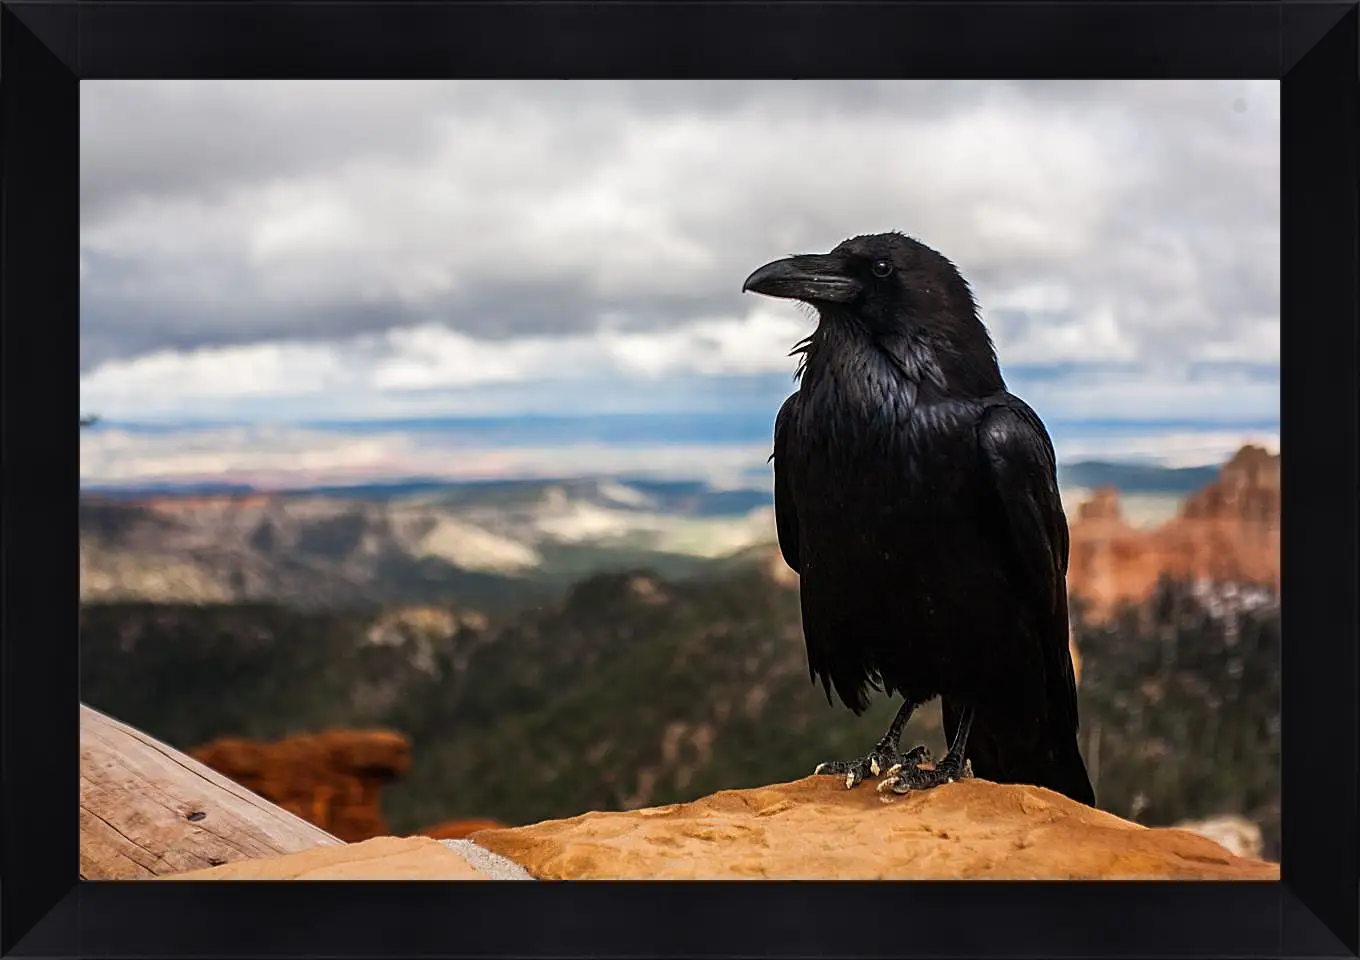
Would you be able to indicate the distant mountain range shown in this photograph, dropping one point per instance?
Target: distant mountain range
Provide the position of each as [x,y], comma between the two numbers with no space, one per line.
[487,620]
[687,495]
[1135,478]
[487,544]
[491,544]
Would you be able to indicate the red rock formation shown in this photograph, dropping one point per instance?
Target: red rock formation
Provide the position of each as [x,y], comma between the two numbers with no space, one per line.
[1110,560]
[1229,532]
[333,779]
[458,829]
[1247,489]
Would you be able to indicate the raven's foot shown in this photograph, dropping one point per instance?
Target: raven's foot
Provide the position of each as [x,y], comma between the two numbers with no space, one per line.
[904,779]
[953,767]
[883,757]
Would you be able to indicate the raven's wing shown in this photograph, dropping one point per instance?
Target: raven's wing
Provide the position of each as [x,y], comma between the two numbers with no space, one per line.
[1018,453]
[785,517]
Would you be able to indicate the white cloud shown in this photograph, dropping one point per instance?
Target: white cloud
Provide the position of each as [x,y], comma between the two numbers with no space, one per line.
[432,371]
[281,458]
[209,382]
[1156,394]
[1175,449]
[1095,337]
[169,380]
[1254,340]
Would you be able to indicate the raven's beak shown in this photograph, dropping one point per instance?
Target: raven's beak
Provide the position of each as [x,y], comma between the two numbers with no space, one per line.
[813,278]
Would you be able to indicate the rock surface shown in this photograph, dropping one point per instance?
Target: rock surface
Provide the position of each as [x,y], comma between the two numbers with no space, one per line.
[493,865]
[382,858]
[1236,833]
[332,779]
[1227,532]
[816,829]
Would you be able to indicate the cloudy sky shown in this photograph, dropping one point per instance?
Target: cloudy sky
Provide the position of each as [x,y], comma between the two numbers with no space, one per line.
[297,282]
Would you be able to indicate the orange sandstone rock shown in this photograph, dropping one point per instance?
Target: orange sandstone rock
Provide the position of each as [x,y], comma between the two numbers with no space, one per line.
[382,858]
[816,829]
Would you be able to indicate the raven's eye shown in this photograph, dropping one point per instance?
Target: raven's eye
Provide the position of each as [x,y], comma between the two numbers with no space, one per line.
[882,268]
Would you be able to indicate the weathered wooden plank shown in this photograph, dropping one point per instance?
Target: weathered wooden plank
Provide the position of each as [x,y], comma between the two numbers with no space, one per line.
[147,810]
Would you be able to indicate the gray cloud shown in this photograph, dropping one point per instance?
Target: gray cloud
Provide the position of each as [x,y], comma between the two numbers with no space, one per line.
[227,213]
[206,137]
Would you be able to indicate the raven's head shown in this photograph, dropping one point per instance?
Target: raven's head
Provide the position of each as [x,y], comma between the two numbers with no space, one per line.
[898,293]
[887,280]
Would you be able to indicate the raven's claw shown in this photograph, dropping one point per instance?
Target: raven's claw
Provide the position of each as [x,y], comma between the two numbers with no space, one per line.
[879,760]
[901,779]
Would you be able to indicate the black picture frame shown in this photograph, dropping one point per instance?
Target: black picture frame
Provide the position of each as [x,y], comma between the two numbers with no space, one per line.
[47,47]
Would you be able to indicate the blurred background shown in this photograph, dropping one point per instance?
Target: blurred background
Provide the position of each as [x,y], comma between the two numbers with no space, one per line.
[424,478]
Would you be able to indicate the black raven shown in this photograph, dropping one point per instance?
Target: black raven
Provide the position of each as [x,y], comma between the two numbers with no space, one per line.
[918,501]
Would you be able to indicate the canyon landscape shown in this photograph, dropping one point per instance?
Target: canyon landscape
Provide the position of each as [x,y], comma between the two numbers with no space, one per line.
[391,717]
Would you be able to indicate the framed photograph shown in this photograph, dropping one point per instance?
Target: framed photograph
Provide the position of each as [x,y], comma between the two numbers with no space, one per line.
[839,446]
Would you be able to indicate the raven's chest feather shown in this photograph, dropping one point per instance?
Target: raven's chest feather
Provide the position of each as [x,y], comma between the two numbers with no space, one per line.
[867,441]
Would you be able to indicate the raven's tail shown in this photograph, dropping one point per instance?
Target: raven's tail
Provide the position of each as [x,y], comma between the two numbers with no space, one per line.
[1066,773]
[1000,752]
